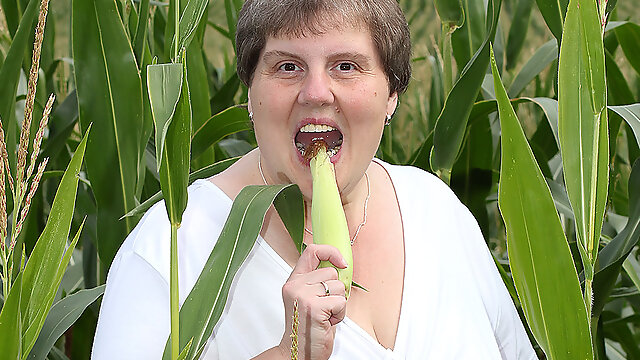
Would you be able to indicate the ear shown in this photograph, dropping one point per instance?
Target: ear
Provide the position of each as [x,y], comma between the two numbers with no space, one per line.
[392,103]
[249,101]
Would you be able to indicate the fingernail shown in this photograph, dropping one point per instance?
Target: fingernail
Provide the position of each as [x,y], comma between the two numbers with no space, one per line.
[344,263]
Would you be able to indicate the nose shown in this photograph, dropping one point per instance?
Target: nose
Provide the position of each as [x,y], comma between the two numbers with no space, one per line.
[316,89]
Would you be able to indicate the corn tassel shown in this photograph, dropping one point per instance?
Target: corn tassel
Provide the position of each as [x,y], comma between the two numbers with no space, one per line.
[327,215]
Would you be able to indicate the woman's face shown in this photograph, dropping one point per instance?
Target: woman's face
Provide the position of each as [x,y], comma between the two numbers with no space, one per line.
[334,81]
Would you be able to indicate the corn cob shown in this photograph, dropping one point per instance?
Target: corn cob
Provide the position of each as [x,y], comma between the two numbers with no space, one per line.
[327,215]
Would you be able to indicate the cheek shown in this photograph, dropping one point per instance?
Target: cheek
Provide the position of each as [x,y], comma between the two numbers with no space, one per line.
[369,106]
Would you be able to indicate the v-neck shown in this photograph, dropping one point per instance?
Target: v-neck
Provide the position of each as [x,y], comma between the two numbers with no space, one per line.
[400,331]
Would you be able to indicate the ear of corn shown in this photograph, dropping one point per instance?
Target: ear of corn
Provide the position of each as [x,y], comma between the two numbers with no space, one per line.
[327,215]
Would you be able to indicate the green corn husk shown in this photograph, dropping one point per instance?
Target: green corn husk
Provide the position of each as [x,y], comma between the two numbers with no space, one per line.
[327,215]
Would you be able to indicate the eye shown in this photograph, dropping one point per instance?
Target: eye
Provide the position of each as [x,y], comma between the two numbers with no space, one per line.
[289,67]
[346,66]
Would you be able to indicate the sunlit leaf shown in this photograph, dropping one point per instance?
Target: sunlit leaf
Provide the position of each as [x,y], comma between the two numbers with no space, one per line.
[189,19]
[174,164]
[583,126]
[165,85]
[541,263]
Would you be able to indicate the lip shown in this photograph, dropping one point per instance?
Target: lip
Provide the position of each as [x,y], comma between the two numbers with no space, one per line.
[316,121]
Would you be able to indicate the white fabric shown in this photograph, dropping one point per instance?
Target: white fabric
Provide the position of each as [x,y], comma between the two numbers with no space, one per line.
[454,304]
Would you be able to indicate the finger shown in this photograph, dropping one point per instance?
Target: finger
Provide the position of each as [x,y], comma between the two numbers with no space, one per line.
[314,254]
[335,308]
[321,274]
[334,287]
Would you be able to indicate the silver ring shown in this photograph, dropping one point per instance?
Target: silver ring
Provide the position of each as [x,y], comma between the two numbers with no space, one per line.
[326,288]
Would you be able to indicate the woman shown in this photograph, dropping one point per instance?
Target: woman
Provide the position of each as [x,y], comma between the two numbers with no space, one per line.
[329,69]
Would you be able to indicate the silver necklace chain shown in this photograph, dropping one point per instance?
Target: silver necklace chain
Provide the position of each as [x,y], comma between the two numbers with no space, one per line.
[366,201]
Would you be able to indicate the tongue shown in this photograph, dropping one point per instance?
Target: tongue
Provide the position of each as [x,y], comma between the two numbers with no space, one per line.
[333,138]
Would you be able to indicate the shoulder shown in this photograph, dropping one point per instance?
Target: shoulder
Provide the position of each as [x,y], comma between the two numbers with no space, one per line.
[206,212]
[421,188]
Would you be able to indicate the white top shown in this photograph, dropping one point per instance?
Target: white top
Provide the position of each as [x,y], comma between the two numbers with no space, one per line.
[454,304]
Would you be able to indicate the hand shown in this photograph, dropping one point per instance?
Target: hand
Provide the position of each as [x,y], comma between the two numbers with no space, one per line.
[318,313]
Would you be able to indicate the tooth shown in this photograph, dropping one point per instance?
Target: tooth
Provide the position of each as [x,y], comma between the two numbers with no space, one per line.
[316,128]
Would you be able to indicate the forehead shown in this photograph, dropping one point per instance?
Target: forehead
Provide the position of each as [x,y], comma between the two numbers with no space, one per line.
[338,40]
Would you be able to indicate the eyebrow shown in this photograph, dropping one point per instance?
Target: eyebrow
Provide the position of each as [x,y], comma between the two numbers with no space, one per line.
[361,59]
[278,54]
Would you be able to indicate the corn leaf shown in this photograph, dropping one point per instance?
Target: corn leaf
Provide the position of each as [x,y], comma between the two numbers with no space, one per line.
[629,38]
[618,93]
[553,12]
[540,259]
[219,126]
[618,90]
[450,12]
[12,15]
[631,114]
[62,122]
[140,37]
[63,314]
[232,8]
[199,90]
[518,31]
[544,56]
[174,166]
[583,126]
[224,98]
[436,97]
[206,301]
[618,329]
[547,105]
[30,299]
[165,85]
[109,91]
[613,255]
[11,325]
[466,40]
[190,17]
[196,72]
[452,122]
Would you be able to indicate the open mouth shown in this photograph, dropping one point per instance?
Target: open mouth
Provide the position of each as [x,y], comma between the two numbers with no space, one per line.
[314,132]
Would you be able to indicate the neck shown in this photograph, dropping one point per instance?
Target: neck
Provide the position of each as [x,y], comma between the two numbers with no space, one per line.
[353,200]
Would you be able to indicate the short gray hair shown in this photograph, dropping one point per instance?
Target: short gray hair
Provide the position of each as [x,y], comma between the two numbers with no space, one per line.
[384,19]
